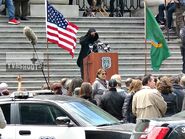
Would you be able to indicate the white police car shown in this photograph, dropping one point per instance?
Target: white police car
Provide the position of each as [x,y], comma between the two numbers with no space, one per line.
[57,117]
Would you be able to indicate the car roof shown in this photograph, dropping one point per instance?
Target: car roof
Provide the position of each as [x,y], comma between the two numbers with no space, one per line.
[58,98]
[43,97]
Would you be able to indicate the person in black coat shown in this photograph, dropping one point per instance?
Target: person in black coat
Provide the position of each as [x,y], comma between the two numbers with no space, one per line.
[179,91]
[89,39]
[164,86]
[112,102]
[128,116]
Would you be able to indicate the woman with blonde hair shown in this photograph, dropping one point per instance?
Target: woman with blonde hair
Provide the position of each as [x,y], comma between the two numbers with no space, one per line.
[128,116]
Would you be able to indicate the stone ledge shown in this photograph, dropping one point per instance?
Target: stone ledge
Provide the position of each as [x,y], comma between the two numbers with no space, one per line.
[61,2]
[64,9]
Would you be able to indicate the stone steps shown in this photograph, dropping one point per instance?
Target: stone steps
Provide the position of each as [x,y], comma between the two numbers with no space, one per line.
[124,35]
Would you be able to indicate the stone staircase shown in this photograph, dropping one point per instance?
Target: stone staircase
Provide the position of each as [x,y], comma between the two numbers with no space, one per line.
[125,36]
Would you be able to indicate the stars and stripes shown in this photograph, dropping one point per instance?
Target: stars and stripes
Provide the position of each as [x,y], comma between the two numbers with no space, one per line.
[60,31]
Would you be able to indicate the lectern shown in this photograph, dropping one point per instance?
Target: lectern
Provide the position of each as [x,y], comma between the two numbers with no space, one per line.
[95,61]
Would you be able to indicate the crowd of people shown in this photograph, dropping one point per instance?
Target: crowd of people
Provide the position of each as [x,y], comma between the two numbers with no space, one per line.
[148,96]
[140,97]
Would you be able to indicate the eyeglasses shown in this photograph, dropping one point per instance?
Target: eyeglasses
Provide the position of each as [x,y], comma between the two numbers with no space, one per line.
[103,73]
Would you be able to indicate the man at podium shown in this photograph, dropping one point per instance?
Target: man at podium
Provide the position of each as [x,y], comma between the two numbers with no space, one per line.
[85,42]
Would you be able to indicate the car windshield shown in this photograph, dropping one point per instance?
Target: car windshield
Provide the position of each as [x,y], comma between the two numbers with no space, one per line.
[89,114]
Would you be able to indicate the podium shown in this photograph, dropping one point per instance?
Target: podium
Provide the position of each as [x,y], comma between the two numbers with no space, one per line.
[95,61]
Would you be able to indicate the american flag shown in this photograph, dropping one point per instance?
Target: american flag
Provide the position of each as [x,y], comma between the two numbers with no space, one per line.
[60,31]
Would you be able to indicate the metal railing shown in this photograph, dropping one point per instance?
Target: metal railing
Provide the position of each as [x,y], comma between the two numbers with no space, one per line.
[120,6]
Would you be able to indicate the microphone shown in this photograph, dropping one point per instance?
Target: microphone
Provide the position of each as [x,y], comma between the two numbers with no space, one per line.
[30,35]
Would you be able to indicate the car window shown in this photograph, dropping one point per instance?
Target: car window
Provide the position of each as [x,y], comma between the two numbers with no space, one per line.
[6,111]
[88,113]
[38,114]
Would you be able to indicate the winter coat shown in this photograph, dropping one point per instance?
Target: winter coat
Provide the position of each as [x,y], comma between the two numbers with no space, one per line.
[85,41]
[148,103]
[171,100]
[178,90]
[112,102]
[128,116]
[99,88]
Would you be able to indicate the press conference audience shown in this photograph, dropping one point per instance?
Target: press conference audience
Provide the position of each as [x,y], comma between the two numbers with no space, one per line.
[164,86]
[178,90]
[4,89]
[119,88]
[112,101]
[86,92]
[100,85]
[75,82]
[148,102]
[134,87]
[56,88]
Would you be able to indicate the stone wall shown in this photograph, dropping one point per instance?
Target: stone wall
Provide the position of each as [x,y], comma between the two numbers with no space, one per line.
[61,2]
[37,8]
[153,4]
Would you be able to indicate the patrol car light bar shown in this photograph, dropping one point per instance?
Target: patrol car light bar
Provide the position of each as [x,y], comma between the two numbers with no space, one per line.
[21,95]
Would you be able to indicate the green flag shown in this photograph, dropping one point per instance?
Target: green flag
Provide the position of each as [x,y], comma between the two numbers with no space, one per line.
[159,50]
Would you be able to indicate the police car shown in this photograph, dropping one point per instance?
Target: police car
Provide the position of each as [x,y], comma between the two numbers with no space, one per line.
[57,117]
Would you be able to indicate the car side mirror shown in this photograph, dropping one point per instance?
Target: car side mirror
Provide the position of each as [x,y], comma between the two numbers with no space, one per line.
[61,120]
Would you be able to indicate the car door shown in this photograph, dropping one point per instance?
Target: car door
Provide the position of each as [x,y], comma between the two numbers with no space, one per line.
[49,132]
[37,121]
[21,125]
[9,131]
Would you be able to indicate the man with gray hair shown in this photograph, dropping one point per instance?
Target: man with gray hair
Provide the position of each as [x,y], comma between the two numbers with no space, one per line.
[119,89]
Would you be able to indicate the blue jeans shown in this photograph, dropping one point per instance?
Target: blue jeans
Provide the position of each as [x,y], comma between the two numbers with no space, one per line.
[170,10]
[11,9]
[0,2]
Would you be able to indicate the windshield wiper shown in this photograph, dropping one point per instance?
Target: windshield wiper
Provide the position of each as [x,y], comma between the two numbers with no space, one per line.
[108,124]
[104,125]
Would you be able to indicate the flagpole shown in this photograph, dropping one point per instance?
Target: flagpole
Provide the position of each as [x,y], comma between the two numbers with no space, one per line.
[145,37]
[48,65]
[47,52]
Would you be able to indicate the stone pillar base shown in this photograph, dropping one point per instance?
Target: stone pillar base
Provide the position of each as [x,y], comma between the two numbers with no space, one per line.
[66,10]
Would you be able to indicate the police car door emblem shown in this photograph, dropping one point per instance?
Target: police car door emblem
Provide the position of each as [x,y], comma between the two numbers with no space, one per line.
[106,62]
